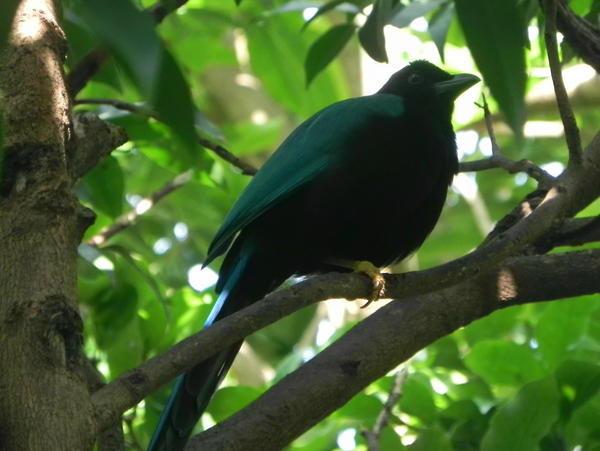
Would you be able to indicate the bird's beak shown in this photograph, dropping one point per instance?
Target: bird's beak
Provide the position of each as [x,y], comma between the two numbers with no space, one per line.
[456,85]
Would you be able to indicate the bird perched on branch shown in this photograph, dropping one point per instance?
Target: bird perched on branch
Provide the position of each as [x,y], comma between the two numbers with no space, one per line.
[363,180]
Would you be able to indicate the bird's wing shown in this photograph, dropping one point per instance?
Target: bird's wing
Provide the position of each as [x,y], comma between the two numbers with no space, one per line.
[317,144]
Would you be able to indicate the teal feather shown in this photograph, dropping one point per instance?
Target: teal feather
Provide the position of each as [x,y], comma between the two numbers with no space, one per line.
[325,139]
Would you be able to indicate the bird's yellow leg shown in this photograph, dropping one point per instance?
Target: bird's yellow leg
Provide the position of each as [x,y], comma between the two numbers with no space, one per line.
[370,270]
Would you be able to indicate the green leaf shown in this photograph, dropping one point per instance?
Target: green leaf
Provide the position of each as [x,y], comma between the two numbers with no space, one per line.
[413,10]
[325,49]
[495,31]
[7,13]
[362,408]
[130,36]
[142,271]
[371,34]
[504,362]
[105,187]
[417,399]
[561,325]
[390,440]
[114,308]
[578,381]
[523,421]
[229,400]
[81,42]
[580,7]
[498,324]
[432,439]
[439,24]
[278,40]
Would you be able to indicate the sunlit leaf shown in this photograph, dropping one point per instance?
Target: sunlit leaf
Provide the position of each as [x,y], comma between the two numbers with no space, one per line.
[229,400]
[561,325]
[495,31]
[105,186]
[520,424]
[504,362]
[417,398]
[371,34]
[138,267]
[430,439]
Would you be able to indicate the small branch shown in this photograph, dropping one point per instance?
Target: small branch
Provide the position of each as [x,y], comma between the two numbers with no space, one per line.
[580,34]
[94,140]
[372,436]
[562,99]
[111,439]
[489,125]
[389,336]
[142,207]
[497,160]
[139,109]
[142,110]
[577,187]
[247,168]
[85,70]
[89,65]
[574,232]
[539,278]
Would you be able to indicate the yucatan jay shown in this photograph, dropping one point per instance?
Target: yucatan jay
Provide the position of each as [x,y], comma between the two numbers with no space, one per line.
[364,179]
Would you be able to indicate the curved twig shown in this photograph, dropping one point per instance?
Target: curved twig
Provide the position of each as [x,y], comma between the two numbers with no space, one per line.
[572,135]
[142,207]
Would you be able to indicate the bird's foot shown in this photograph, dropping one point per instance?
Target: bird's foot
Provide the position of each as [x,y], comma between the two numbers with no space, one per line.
[372,271]
[368,269]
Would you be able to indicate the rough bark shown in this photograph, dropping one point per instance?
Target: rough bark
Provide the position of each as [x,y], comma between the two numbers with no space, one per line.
[44,400]
[388,337]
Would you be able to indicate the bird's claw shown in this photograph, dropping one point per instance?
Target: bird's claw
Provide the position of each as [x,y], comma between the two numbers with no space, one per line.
[378,287]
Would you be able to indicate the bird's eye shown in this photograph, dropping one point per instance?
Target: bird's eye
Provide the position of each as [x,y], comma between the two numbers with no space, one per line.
[415,79]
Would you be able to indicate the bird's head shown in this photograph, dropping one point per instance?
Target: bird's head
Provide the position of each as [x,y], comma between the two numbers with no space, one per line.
[422,81]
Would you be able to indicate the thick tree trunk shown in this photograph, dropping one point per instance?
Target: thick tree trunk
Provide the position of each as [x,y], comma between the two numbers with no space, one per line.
[44,400]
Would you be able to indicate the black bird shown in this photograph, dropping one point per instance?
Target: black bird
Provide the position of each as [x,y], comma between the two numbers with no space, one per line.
[364,179]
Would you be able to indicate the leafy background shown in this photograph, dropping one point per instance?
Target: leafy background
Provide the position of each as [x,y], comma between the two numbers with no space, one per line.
[244,75]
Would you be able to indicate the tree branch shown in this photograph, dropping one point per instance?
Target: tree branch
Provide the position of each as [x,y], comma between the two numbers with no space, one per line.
[389,336]
[562,99]
[581,35]
[573,192]
[94,140]
[372,436]
[143,206]
[527,283]
[497,160]
[42,378]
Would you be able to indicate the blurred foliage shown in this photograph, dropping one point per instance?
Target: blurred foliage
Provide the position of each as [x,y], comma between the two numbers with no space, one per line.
[245,75]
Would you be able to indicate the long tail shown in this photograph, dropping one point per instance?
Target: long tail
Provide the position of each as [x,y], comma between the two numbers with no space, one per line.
[194,389]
